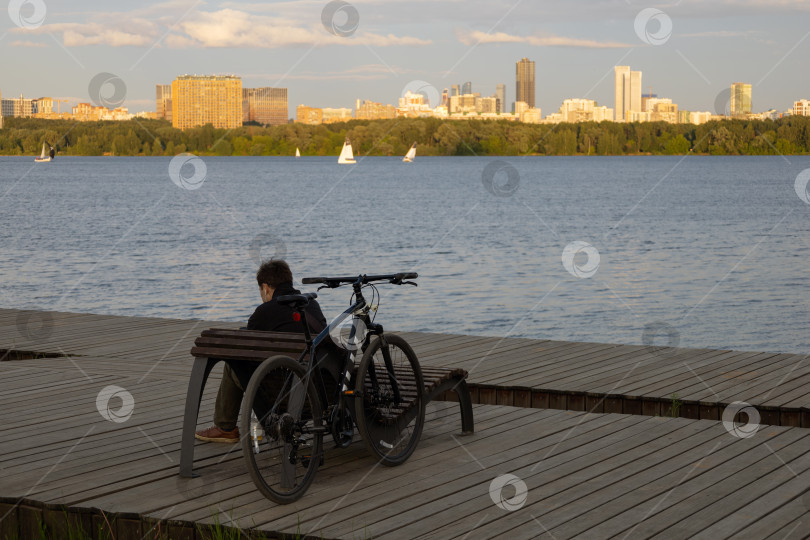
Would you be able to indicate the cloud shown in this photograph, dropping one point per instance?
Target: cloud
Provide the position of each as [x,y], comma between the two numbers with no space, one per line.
[212,29]
[136,32]
[234,28]
[477,37]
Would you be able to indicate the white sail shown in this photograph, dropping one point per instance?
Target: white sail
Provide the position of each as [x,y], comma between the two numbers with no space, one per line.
[346,155]
[297,153]
[409,157]
[44,156]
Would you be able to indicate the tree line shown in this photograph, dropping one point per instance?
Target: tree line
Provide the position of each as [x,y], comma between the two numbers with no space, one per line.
[433,136]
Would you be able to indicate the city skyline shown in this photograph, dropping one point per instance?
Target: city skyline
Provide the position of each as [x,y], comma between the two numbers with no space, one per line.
[707,50]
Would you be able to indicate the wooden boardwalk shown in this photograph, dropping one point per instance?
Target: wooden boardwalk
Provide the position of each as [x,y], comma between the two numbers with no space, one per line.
[593,475]
[596,377]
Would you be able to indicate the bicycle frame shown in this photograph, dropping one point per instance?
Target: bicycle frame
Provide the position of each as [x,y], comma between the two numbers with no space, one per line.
[360,311]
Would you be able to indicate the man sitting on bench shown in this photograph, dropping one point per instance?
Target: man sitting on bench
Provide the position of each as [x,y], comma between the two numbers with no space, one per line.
[275,279]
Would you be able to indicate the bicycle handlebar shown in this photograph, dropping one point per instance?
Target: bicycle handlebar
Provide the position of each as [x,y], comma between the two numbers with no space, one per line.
[362,279]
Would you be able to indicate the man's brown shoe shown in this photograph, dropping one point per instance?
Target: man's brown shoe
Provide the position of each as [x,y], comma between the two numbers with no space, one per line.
[214,434]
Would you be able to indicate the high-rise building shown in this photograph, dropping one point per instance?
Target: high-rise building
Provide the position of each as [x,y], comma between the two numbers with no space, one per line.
[330,115]
[265,105]
[371,110]
[627,92]
[43,106]
[500,93]
[308,115]
[662,110]
[801,107]
[645,98]
[524,82]
[163,101]
[454,90]
[18,107]
[445,97]
[207,99]
[466,88]
[740,99]
[487,105]
[464,104]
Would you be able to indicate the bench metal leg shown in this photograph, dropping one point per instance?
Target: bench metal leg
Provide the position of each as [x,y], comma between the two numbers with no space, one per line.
[199,375]
[465,403]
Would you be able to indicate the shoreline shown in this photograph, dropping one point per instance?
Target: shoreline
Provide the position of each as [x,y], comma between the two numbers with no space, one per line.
[426,157]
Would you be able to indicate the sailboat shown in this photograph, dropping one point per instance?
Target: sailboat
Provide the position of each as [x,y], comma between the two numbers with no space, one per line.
[297,153]
[46,155]
[409,157]
[346,155]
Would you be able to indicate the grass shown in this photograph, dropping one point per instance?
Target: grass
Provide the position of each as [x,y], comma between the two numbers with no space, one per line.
[675,406]
[73,530]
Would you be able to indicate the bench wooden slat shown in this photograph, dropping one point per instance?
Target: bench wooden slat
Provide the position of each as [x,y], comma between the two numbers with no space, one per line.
[255,334]
[232,354]
[230,343]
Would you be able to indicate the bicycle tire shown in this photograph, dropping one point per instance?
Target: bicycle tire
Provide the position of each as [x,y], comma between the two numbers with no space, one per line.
[390,430]
[282,471]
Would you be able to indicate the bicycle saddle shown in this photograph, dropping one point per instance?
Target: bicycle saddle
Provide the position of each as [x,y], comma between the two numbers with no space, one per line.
[296,301]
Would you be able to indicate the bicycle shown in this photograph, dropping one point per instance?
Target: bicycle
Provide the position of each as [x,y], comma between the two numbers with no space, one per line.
[290,405]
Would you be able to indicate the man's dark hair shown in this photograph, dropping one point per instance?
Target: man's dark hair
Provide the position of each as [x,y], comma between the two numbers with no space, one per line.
[274,273]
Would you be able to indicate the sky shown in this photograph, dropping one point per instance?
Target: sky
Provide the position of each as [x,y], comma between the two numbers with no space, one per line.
[328,54]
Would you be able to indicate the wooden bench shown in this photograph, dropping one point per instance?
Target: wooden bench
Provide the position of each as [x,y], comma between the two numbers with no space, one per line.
[243,349]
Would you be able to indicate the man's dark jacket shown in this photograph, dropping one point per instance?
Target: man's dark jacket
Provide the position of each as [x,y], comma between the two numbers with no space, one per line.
[274,317]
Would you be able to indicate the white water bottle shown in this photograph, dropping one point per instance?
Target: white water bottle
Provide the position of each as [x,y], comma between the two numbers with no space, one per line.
[256,432]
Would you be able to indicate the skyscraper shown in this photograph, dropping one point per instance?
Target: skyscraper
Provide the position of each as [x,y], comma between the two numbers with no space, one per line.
[524,81]
[265,105]
[207,99]
[627,92]
[500,93]
[740,98]
[466,88]
[454,90]
[163,101]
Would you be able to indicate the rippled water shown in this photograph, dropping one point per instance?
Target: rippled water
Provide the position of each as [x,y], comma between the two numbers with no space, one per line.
[717,248]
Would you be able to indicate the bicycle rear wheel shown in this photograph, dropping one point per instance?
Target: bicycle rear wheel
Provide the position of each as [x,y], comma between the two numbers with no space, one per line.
[281,427]
[389,399]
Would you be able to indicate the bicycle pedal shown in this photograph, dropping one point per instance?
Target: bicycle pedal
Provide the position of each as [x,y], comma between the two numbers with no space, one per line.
[306,459]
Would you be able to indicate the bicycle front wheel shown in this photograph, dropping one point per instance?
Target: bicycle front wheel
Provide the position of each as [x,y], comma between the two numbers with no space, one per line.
[281,428]
[390,399]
